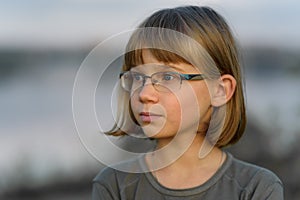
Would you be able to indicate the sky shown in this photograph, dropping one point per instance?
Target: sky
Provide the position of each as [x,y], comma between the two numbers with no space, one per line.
[78,22]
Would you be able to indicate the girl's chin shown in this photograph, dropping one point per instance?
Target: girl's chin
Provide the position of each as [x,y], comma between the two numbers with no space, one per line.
[151,131]
[157,134]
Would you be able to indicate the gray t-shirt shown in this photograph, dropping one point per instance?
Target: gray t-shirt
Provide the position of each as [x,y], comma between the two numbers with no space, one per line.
[234,180]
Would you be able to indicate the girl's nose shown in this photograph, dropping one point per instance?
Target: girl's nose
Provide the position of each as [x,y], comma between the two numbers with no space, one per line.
[148,93]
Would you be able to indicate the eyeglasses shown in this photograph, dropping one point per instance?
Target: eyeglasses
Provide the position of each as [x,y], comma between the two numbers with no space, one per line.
[161,81]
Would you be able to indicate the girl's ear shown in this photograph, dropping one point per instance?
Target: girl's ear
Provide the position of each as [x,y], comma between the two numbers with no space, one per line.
[223,91]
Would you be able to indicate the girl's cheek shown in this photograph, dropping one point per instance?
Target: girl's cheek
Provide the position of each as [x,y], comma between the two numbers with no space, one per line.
[133,104]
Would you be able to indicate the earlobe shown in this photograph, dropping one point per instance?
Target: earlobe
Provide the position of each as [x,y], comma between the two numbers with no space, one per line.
[224,90]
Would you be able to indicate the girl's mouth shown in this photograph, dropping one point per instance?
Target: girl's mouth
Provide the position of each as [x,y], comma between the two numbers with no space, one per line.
[148,117]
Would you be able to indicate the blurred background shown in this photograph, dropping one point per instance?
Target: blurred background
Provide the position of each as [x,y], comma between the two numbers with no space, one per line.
[43,43]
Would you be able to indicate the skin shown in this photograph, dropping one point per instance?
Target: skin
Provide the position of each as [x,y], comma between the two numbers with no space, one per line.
[174,114]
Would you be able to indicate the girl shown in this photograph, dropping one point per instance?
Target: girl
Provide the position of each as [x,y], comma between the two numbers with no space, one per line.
[181,85]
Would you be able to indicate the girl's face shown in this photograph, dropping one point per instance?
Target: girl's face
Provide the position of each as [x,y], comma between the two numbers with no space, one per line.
[164,114]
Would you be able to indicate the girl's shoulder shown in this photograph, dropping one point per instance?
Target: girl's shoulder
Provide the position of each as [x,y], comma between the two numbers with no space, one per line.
[119,172]
[111,180]
[245,172]
[253,179]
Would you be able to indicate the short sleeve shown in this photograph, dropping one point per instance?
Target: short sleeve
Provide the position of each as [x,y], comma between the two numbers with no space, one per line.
[266,186]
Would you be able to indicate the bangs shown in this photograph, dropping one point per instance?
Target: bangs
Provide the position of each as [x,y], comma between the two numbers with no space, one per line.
[135,58]
[167,46]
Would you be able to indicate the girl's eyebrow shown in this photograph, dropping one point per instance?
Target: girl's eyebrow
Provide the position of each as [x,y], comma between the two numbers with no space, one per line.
[159,67]
[175,67]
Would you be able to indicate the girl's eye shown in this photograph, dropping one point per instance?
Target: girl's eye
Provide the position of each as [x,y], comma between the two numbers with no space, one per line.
[137,77]
[168,77]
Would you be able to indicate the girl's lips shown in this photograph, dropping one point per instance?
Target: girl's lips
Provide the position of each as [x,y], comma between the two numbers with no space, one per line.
[149,117]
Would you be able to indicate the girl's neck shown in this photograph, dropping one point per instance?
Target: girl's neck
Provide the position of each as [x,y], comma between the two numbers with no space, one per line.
[184,155]
[188,170]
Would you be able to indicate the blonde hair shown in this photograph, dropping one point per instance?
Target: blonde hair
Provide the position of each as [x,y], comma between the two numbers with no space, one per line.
[211,31]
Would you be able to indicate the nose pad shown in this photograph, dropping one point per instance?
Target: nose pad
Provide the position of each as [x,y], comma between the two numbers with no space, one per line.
[149,82]
[145,81]
[139,89]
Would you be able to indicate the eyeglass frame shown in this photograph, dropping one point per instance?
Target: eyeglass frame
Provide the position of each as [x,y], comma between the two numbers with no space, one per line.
[187,77]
